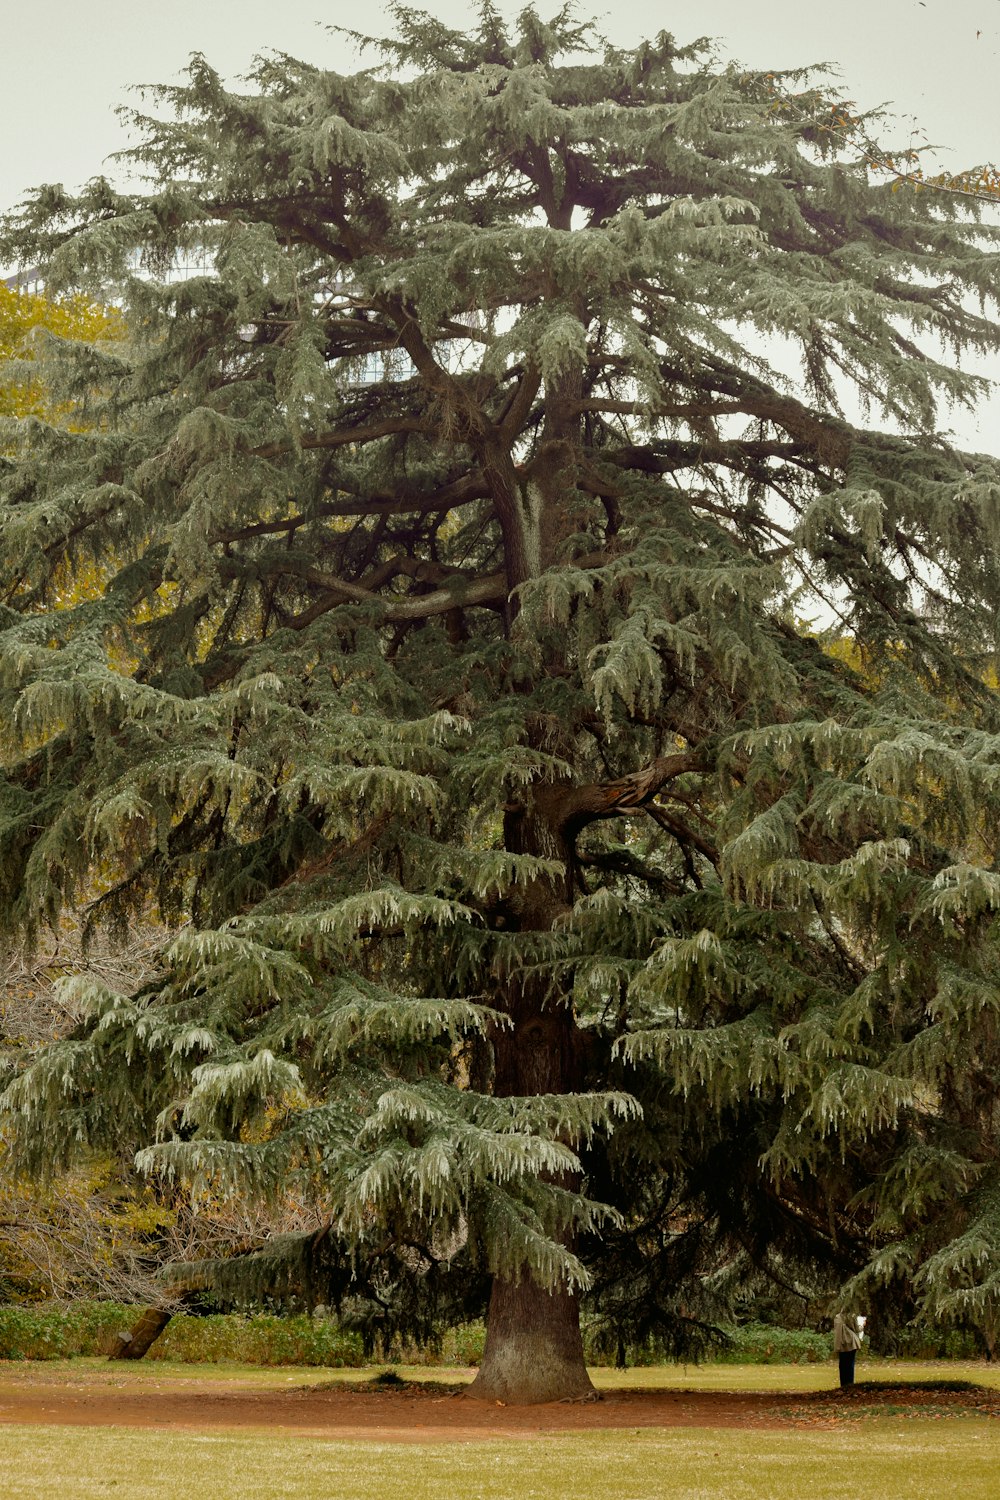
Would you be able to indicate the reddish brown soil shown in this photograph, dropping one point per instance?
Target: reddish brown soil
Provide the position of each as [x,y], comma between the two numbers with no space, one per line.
[431,1413]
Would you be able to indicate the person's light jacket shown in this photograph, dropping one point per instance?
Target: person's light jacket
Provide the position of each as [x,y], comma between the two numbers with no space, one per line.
[846,1334]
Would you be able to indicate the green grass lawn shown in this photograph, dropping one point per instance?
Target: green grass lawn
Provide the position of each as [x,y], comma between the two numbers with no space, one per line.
[885,1460]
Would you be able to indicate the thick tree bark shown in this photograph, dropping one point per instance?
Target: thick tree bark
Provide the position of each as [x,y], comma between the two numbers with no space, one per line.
[534,1351]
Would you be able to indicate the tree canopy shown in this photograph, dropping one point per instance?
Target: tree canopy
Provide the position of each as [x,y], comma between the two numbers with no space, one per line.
[549,894]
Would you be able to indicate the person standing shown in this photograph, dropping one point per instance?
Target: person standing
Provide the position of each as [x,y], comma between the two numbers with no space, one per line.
[848,1331]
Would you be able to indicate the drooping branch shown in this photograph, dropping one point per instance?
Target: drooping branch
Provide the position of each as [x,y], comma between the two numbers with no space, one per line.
[684,834]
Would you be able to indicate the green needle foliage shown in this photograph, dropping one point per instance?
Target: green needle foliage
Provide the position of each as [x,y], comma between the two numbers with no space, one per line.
[550,901]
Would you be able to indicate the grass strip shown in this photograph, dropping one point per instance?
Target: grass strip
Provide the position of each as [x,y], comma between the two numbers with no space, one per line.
[921,1461]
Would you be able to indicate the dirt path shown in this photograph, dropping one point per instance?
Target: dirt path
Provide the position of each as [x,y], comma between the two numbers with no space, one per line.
[429,1413]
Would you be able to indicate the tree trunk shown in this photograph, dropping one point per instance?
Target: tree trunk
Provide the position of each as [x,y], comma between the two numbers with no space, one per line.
[533,1351]
[142,1336]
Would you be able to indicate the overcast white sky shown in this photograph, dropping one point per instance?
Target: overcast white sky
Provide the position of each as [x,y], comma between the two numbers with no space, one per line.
[69,64]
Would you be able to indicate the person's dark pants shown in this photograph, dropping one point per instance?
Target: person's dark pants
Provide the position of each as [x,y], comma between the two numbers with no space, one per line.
[847,1358]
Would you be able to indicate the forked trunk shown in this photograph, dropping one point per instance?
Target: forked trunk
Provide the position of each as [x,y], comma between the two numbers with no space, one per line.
[533,1351]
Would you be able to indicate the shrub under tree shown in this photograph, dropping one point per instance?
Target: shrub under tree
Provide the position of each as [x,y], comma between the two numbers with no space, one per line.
[548,894]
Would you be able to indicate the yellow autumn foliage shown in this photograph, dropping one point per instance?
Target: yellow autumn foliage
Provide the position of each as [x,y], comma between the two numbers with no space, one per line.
[24,318]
